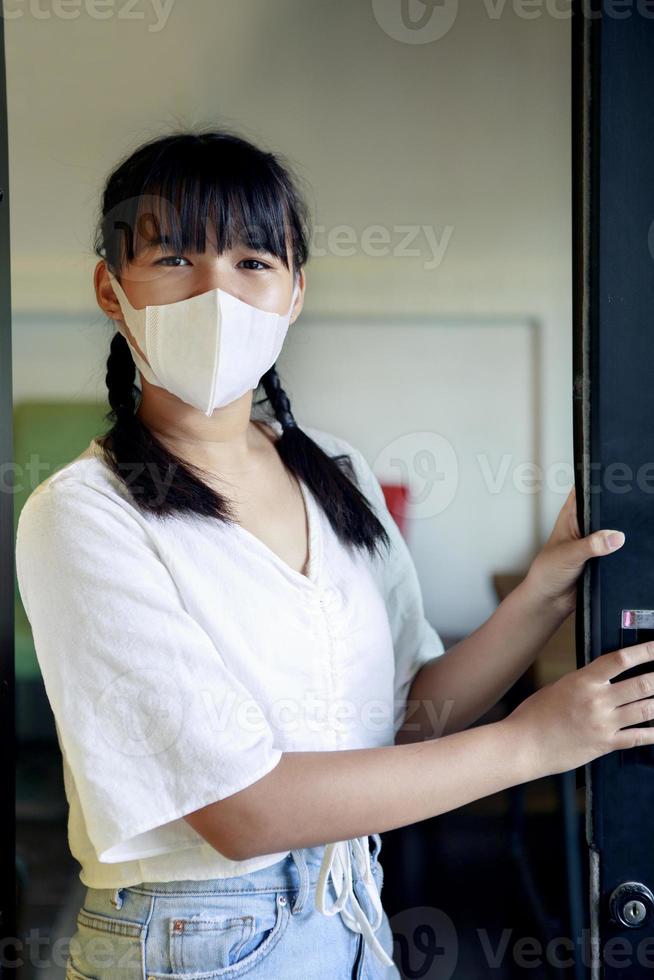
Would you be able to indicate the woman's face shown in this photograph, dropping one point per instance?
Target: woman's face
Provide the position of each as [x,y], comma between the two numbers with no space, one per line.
[158,276]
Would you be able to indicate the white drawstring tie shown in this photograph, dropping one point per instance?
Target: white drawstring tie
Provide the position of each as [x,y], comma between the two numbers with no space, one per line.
[337,861]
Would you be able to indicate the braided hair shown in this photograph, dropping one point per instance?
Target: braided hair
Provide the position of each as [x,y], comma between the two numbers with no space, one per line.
[257,199]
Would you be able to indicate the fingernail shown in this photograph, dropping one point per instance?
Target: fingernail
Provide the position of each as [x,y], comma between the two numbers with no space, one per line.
[615,539]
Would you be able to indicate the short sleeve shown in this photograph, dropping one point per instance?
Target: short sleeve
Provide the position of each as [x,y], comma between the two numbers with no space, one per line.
[415,640]
[152,723]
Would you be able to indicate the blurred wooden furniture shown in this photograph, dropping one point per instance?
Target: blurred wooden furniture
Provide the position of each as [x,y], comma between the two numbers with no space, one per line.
[558,655]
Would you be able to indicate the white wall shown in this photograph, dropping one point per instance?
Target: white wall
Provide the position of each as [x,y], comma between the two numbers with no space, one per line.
[467,135]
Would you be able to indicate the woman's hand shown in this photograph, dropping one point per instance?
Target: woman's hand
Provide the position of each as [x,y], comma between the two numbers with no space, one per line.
[554,571]
[584,714]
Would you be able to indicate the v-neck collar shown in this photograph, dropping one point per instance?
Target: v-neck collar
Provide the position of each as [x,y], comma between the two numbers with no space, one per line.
[310,578]
[313,519]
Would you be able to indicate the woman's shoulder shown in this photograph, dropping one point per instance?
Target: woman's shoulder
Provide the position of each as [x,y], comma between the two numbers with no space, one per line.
[75,528]
[89,468]
[85,485]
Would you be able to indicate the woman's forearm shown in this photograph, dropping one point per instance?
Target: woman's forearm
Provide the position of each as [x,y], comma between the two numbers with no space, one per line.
[452,691]
[313,798]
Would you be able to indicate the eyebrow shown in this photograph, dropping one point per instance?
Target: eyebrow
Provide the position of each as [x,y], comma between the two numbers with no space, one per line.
[165,240]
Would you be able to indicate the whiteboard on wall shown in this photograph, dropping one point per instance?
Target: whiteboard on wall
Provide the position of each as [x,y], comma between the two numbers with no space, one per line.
[452,407]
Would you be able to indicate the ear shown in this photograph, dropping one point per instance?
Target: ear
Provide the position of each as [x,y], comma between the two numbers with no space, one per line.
[104,293]
[107,301]
[299,298]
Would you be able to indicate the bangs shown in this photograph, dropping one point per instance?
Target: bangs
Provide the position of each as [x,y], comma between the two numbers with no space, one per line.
[192,184]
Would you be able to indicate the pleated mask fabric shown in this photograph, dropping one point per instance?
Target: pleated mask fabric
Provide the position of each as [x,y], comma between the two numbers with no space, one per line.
[208,349]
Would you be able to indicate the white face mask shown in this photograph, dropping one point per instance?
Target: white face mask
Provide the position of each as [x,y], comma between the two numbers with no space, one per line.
[209,349]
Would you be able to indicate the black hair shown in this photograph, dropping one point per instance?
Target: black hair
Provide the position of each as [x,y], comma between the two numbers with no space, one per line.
[179,182]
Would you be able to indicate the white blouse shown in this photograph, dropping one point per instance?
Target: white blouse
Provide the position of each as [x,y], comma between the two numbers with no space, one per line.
[181,656]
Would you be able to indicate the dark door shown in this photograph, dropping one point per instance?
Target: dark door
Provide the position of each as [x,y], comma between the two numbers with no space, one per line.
[613,311]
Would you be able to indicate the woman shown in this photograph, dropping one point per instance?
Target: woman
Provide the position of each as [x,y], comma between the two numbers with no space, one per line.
[229,623]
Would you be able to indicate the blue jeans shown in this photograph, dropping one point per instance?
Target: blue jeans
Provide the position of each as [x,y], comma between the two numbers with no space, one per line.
[262,924]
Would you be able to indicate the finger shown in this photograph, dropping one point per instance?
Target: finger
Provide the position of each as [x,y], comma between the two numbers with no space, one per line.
[636,713]
[610,665]
[631,738]
[572,553]
[603,542]
[633,689]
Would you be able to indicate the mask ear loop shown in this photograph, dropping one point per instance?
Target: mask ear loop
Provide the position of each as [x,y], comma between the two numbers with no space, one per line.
[142,366]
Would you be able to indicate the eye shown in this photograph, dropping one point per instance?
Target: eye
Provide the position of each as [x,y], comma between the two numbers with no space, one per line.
[168,258]
[258,262]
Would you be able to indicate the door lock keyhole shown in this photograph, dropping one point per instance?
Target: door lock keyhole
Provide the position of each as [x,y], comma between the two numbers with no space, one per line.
[631,904]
